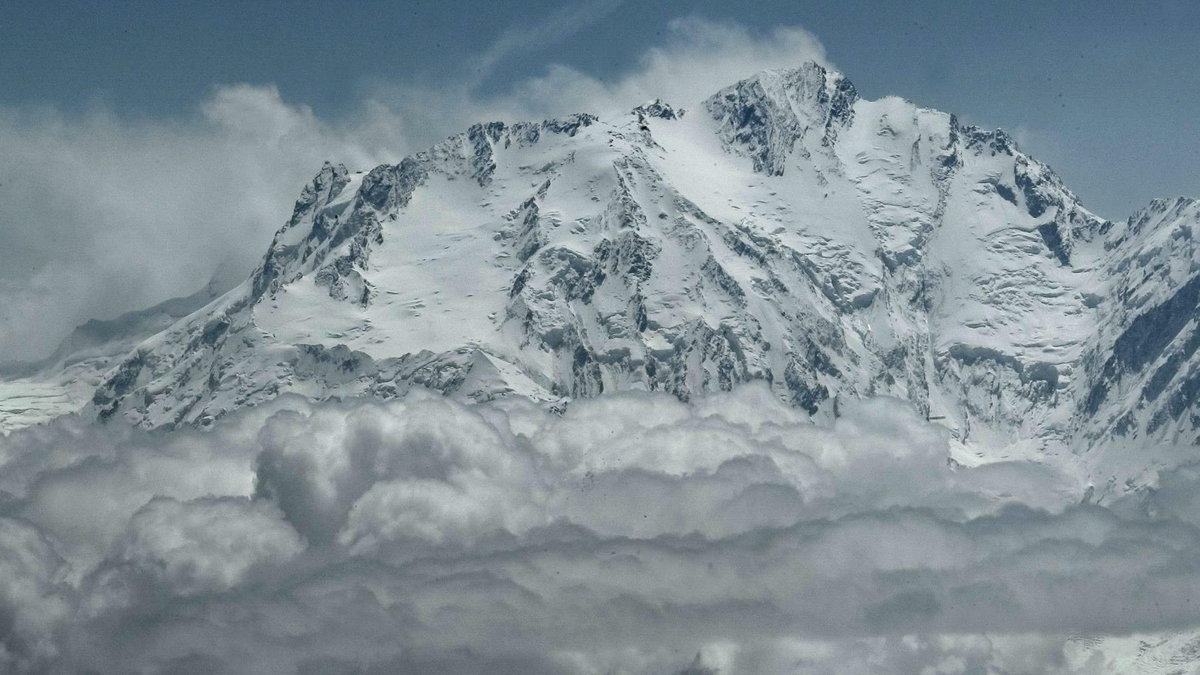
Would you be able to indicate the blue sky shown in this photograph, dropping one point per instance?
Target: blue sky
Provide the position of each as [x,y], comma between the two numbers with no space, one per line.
[148,145]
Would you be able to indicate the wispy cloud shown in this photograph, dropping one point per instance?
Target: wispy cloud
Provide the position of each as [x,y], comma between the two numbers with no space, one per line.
[559,25]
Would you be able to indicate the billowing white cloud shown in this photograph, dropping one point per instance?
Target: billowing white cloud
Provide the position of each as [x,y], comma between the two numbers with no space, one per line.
[103,215]
[32,601]
[207,544]
[633,534]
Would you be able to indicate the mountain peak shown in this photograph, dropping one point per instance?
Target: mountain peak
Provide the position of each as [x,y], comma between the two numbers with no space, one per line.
[657,108]
[811,73]
[768,112]
[786,231]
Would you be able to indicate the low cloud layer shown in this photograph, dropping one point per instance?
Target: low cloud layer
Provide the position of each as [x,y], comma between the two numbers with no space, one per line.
[101,214]
[634,534]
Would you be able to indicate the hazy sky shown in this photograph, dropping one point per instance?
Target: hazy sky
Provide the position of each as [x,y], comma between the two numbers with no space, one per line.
[1106,92]
[143,145]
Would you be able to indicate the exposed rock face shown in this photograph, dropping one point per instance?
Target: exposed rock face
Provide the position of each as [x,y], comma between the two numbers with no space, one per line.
[784,229]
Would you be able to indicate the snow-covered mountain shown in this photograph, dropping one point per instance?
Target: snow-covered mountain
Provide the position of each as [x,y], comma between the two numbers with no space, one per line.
[784,229]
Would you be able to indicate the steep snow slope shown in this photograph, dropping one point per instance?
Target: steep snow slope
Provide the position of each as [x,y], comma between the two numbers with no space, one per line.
[783,229]
[1142,372]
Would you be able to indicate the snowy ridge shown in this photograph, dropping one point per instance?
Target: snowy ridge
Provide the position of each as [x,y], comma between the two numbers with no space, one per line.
[784,230]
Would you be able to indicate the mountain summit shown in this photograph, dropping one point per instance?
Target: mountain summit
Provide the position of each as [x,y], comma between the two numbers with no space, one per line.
[783,229]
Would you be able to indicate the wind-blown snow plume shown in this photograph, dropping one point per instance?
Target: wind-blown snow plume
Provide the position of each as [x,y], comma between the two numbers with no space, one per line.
[633,534]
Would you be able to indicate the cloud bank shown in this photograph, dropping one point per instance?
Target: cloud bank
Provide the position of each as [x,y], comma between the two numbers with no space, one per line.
[101,215]
[634,534]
